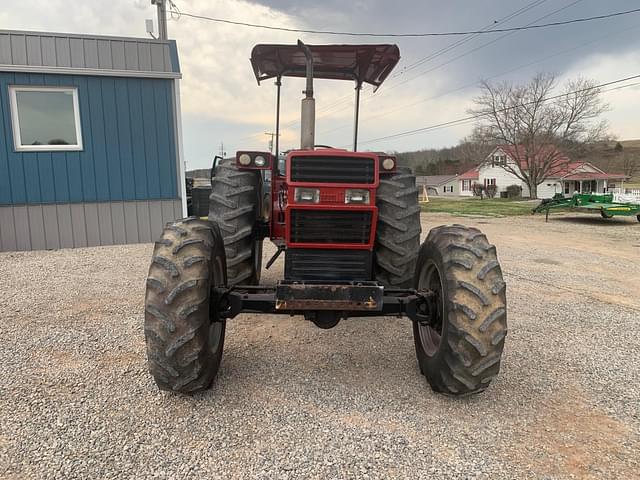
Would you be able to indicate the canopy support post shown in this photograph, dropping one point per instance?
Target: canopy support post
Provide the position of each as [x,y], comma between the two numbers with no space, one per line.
[356,116]
[278,85]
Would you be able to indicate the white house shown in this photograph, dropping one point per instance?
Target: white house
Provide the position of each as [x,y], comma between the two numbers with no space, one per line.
[438,185]
[567,178]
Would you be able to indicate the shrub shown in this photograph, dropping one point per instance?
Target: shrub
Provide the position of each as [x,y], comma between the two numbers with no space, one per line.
[478,190]
[491,190]
[514,191]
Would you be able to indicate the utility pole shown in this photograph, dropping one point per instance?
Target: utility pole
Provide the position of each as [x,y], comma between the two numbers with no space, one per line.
[222,152]
[272,135]
[162,18]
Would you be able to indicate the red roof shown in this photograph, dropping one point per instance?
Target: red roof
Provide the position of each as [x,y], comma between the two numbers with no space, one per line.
[472,174]
[519,153]
[563,167]
[594,176]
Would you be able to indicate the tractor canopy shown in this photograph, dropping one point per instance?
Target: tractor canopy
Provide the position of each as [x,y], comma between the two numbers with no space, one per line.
[362,63]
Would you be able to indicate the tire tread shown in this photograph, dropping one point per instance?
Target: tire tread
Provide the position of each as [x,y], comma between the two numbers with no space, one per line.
[476,311]
[397,231]
[176,324]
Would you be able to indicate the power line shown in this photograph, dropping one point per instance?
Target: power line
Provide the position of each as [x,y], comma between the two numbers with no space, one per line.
[342,102]
[470,118]
[321,112]
[475,49]
[457,43]
[464,54]
[422,34]
[385,113]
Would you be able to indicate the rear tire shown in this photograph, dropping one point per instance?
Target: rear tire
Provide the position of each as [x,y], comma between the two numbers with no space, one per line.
[184,343]
[461,353]
[234,205]
[398,230]
[604,214]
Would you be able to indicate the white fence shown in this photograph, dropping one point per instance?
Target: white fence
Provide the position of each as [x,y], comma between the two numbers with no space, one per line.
[626,195]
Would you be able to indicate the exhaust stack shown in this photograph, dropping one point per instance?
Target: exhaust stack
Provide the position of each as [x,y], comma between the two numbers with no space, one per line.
[308,113]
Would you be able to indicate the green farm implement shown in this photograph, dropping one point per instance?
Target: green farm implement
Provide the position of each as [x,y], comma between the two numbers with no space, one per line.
[589,202]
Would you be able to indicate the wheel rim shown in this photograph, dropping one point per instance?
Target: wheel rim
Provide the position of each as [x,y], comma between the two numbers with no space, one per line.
[431,335]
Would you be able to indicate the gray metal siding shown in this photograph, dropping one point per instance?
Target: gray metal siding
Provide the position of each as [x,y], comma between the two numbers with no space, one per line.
[51,226]
[34,51]
[36,227]
[63,53]
[97,53]
[65,226]
[7,235]
[79,225]
[91,223]
[18,49]
[5,49]
[144,225]
[48,50]
[20,227]
[40,227]
[131,222]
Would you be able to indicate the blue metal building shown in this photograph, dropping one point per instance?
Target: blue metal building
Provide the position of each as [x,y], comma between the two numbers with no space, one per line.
[90,140]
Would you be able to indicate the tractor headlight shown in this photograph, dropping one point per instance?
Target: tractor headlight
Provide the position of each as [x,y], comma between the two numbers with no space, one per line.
[259,161]
[352,195]
[307,195]
[244,159]
[388,163]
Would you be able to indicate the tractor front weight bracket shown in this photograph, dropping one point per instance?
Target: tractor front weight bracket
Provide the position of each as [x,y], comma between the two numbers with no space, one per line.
[343,300]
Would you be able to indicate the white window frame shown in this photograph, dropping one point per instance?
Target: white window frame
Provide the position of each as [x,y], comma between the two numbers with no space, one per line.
[15,120]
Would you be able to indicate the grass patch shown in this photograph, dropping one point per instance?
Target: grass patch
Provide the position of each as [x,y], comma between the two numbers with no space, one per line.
[495,207]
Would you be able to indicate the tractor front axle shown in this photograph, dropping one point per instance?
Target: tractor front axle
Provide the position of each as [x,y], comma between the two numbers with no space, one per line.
[317,299]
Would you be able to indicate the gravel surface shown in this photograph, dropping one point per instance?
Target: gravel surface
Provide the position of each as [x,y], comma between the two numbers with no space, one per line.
[294,401]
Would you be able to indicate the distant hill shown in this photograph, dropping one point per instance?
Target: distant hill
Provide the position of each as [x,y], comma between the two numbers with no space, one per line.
[460,158]
[445,161]
[607,157]
[448,161]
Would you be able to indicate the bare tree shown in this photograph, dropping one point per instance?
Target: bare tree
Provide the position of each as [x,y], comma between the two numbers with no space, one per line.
[630,164]
[473,150]
[538,124]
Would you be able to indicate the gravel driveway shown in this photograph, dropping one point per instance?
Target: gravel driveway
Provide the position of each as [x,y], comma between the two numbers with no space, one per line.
[294,401]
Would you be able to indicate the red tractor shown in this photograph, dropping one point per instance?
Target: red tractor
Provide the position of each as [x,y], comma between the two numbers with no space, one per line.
[348,224]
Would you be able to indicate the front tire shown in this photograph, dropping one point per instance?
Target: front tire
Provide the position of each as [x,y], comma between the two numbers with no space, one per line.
[184,337]
[234,205]
[460,351]
[397,230]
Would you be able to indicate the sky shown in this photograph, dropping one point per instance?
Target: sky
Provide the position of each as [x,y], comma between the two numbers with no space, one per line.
[223,105]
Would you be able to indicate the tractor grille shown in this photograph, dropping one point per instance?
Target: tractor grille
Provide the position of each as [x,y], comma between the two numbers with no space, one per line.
[333,170]
[330,226]
[327,265]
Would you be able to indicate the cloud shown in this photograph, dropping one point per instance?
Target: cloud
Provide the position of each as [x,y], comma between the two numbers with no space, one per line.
[222,102]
